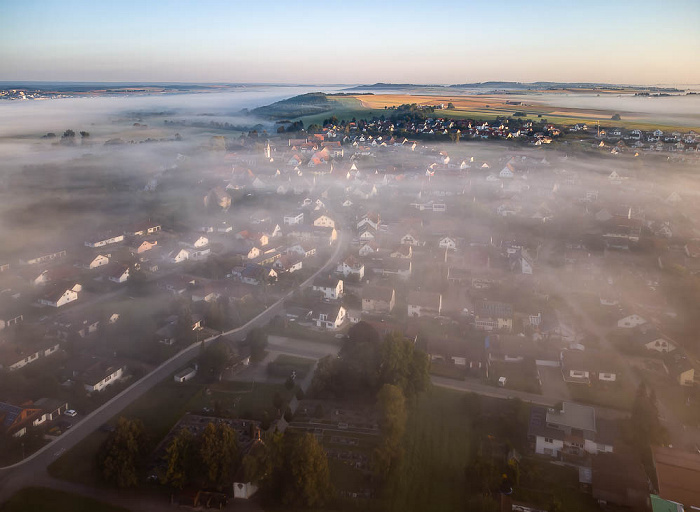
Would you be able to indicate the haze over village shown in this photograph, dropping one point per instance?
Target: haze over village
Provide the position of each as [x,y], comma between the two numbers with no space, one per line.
[405,294]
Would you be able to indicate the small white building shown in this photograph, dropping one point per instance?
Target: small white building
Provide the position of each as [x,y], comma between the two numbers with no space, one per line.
[186,374]
[293,219]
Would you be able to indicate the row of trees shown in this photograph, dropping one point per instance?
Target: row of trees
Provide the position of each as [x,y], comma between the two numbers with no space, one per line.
[291,469]
[208,459]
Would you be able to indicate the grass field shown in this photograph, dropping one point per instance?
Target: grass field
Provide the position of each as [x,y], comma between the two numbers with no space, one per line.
[284,365]
[437,445]
[489,107]
[615,395]
[520,376]
[39,499]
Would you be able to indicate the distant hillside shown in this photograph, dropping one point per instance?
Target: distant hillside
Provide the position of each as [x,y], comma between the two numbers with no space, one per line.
[302,105]
[524,86]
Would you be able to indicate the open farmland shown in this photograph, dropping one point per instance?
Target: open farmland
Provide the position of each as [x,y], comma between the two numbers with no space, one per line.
[488,107]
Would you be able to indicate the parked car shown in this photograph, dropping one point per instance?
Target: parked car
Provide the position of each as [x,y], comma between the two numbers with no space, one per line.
[71,413]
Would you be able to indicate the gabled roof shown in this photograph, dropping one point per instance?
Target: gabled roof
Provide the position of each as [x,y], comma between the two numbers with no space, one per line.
[378,293]
[424,299]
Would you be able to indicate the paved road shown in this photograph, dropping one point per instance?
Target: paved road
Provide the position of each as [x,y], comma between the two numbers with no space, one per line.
[33,468]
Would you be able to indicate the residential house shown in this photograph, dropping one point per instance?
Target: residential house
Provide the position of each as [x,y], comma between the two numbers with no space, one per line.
[410,239]
[288,263]
[370,219]
[491,315]
[330,287]
[118,273]
[304,249]
[42,257]
[678,474]
[15,420]
[448,243]
[394,267]
[582,367]
[424,303]
[351,267]
[572,430]
[679,368]
[145,245]
[631,321]
[96,374]
[651,339]
[293,219]
[16,356]
[459,352]
[104,239]
[92,262]
[143,229]
[51,409]
[324,221]
[378,299]
[367,249]
[178,256]
[60,296]
[255,274]
[328,316]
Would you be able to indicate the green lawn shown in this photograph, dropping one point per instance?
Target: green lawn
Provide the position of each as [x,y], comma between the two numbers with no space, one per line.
[615,395]
[39,499]
[438,445]
[448,370]
[284,365]
[519,376]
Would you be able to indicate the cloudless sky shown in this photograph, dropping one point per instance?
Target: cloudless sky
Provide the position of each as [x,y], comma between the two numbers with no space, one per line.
[343,41]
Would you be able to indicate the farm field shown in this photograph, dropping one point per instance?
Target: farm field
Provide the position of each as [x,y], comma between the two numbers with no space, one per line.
[489,107]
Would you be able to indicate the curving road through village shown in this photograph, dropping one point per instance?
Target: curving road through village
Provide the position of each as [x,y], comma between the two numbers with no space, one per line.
[32,470]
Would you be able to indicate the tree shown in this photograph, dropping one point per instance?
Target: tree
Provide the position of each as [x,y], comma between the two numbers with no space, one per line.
[219,453]
[404,366]
[450,106]
[306,478]
[123,453]
[68,134]
[391,404]
[84,134]
[257,341]
[181,458]
[616,117]
[647,427]
[214,359]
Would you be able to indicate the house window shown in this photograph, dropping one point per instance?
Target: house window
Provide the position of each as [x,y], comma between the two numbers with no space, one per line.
[548,440]
[548,451]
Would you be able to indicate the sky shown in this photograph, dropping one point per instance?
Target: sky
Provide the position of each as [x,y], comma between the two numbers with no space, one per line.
[342,41]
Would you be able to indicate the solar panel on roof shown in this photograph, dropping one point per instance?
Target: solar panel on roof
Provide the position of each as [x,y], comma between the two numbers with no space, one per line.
[11,413]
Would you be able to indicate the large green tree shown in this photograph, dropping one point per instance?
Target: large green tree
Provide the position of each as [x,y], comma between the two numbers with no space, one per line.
[257,341]
[181,458]
[124,452]
[306,480]
[214,359]
[218,452]
[391,404]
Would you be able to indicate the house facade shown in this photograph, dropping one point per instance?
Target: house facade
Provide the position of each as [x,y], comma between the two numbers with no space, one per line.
[377,299]
[330,287]
[572,430]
